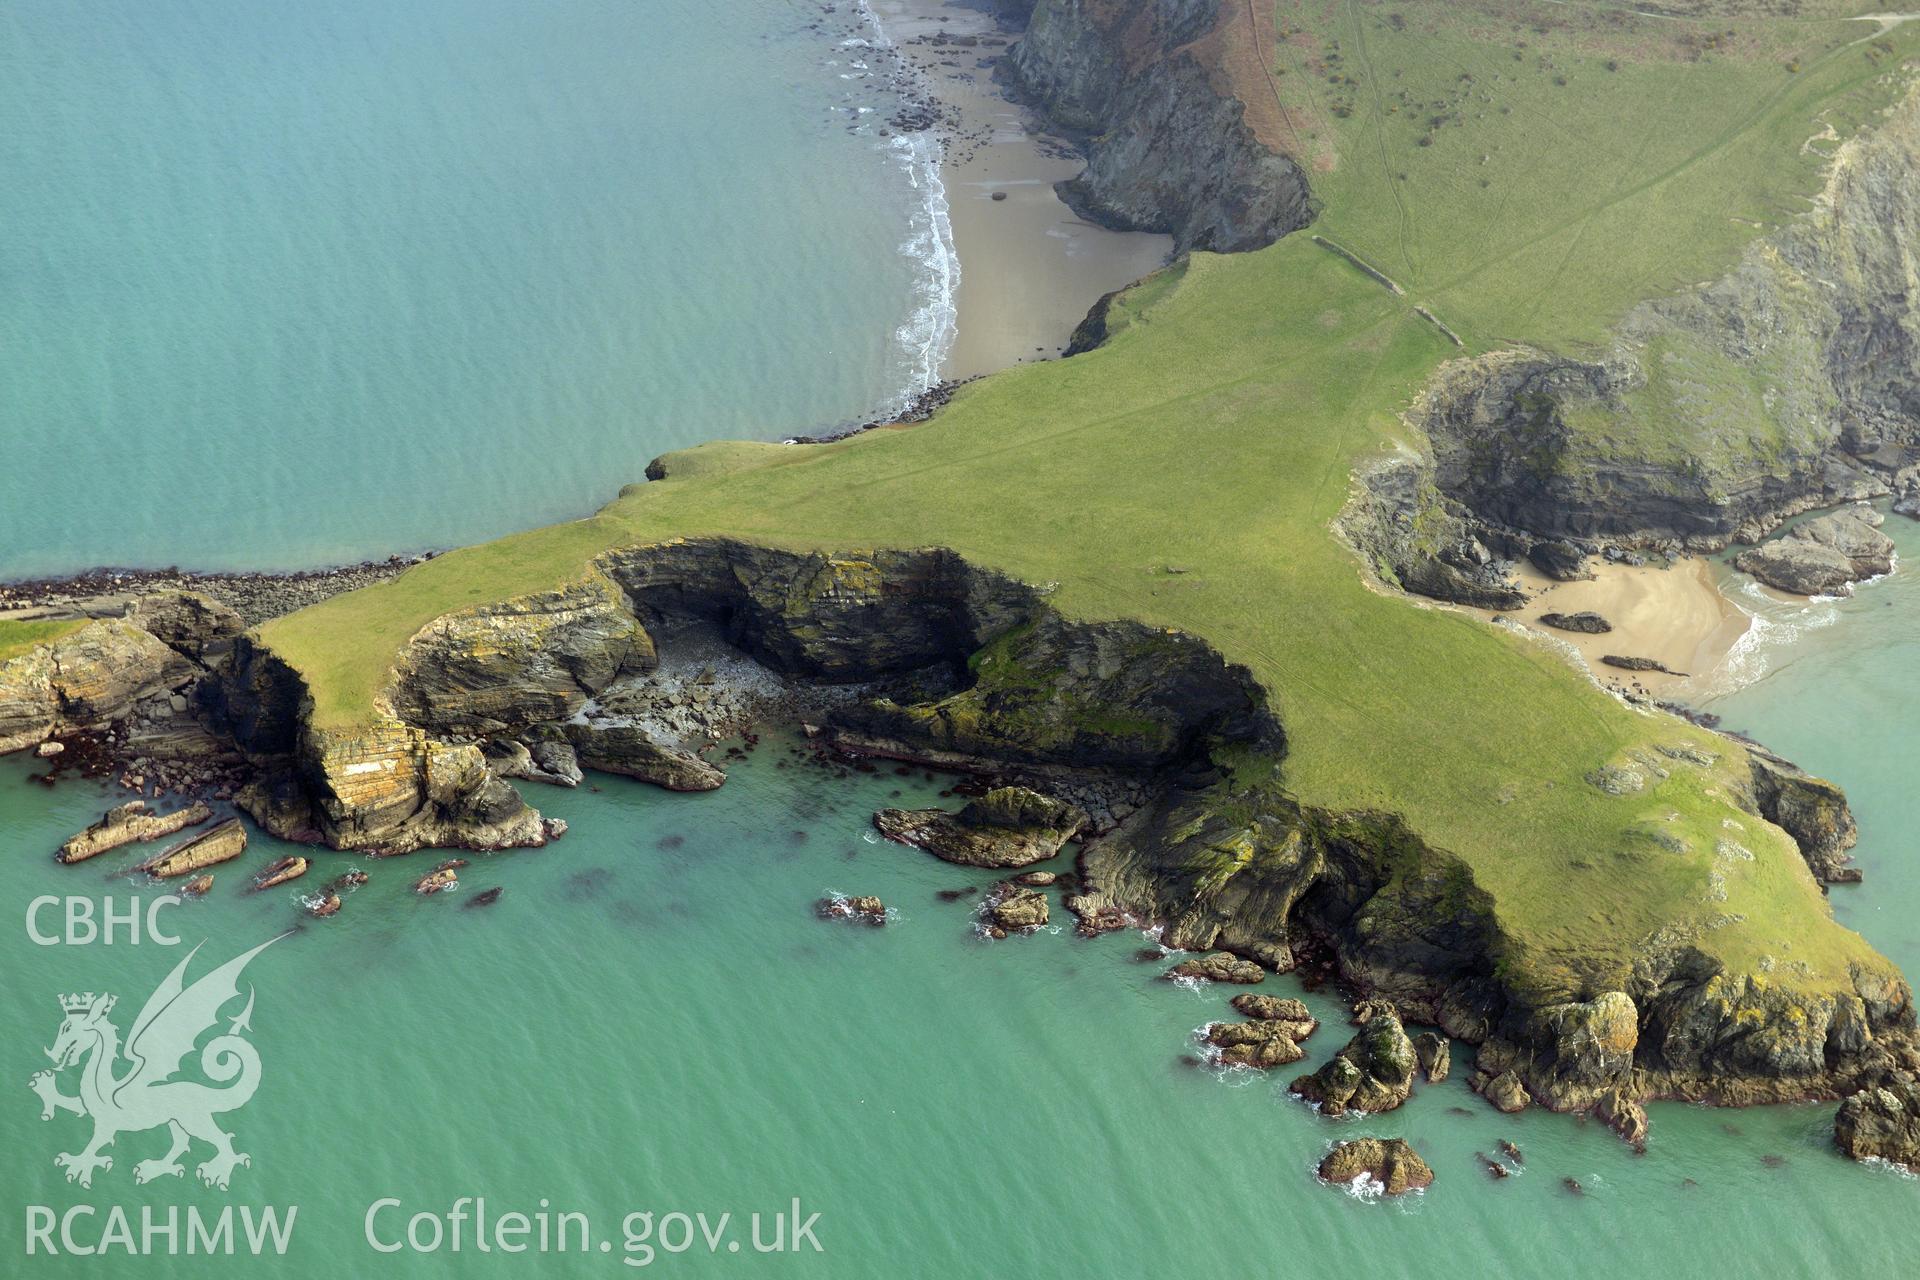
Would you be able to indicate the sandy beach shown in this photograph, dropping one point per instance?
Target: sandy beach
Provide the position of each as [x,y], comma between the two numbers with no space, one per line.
[1029,269]
[1677,616]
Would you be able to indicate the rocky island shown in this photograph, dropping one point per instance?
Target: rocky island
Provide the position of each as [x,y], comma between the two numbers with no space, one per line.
[1180,588]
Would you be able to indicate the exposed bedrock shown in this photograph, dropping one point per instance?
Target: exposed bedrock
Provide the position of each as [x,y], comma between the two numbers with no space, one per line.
[974,665]
[526,661]
[1152,87]
[1823,556]
[950,660]
[109,670]
[1249,869]
[1792,382]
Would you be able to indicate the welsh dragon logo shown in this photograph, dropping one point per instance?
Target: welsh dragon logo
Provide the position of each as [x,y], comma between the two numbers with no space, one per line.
[145,1095]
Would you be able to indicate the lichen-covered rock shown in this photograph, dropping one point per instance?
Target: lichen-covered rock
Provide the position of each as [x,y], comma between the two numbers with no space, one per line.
[388,786]
[1389,1162]
[1624,1115]
[1373,1073]
[1085,694]
[126,824]
[631,751]
[1263,1042]
[533,659]
[1506,1092]
[1007,827]
[1220,966]
[84,679]
[1014,909]
[1811,810]
[1882,1121]
[1823,556]
[1285,1008]
[1435,1054]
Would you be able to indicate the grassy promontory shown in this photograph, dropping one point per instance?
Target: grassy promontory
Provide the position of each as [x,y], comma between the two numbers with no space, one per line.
[1525,172]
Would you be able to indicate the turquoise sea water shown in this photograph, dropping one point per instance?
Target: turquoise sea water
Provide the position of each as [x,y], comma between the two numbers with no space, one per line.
[651,1019]
[288,283]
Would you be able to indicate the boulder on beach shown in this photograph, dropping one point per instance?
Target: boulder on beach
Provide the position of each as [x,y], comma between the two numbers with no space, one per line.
[1390,1162]
[1586,622]
[1007,827]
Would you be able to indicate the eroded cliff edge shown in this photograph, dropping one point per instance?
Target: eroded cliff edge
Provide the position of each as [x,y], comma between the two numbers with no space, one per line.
[1788,384]
[926,657]
[1171,102]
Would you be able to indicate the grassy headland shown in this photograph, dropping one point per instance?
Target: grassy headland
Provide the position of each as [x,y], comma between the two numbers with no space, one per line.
[1525,171]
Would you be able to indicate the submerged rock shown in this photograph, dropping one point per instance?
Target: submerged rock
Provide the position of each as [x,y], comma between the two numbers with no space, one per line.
[1586,622]
[866,910]
[441,878]
[1007,827]
[1373,1073]
[126,824]
[1823,556]
[198,887]
[1390,1162]
[1220,966]
[328,903]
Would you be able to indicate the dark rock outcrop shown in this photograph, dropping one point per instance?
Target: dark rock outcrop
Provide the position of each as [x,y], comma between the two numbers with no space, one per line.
[1882,1122]
[632,752]
[1011,909]
[1007,827]
[862,909]
[1811,810]
[1585,622]
[1373,1073]
[1154,86]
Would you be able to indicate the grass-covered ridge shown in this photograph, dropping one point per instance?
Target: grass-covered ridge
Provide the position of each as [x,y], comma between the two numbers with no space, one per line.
[1217,429]
[20,637]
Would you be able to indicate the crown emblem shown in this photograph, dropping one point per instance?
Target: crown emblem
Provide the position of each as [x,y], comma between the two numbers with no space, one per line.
[77,1003]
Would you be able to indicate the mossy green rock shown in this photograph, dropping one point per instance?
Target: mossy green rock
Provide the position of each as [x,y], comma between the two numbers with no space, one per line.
[1007,827]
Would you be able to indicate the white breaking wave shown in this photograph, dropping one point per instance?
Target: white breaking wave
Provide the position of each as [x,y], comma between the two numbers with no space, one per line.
[928,333]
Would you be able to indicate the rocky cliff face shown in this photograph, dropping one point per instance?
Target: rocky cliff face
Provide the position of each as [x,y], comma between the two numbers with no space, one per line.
[1792,382]
[110,668]
[1249,869]
[1153,86]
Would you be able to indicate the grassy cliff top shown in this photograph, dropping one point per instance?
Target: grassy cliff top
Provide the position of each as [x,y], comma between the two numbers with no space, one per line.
[17,637]
[1525,171]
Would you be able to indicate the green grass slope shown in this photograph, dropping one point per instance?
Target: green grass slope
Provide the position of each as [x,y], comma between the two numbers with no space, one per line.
[1217,430]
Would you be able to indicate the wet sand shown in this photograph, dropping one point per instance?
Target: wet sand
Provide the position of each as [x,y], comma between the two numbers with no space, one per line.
[1676,616]
[1029,269]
